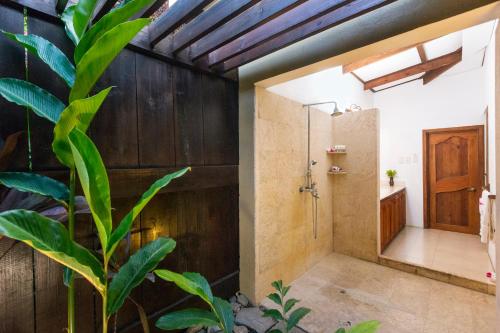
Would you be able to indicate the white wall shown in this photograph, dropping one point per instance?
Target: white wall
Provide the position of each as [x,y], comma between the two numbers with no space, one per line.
[449,101]
[326,85]
[489,71]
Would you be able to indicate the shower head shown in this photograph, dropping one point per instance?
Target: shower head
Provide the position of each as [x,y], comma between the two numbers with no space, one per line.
[336,112]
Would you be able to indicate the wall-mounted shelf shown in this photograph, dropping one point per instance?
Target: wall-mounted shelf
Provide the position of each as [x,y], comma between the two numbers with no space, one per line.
[337,173]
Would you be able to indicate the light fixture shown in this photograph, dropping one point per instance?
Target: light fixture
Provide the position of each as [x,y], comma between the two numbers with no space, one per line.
[336,111]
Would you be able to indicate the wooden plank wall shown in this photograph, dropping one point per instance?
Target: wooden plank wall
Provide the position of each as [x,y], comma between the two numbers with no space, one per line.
[158,119]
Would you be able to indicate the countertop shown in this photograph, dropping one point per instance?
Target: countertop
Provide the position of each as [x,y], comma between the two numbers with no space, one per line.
[387,191]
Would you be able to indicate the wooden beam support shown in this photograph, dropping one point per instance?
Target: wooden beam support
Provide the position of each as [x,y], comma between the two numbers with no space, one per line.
[434,74]
[421,53]
[61,5]
[375,58]
[148,11]
[253,17]
[102,8]
[301,14]
[338,16]
[451,58]
[181,12]
[208,21]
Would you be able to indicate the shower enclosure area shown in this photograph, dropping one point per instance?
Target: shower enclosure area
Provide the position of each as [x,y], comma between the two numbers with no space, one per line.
[295,229]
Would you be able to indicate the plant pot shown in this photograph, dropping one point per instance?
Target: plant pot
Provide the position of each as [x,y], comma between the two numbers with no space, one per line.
[391,181]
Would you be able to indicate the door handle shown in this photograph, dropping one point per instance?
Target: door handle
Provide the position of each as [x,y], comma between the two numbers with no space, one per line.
[471,189]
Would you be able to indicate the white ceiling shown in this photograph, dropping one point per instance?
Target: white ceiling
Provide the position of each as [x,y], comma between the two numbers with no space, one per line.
[473,41]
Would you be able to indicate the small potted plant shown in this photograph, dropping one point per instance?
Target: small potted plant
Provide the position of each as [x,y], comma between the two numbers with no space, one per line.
[391,174]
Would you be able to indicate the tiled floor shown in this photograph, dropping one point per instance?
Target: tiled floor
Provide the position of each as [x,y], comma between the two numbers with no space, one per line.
[341,289]
[449,252]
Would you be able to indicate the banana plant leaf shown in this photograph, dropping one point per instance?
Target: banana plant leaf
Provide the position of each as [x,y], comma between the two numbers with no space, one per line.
[192,283]
[26,94]
[187,318]
[48,53]
[106,23]
[78,114]
[101,54]
[94,181]
[135,269]
[127,221]
[82,16]
[67,18]
[38,184]
[224,312]
[51,238]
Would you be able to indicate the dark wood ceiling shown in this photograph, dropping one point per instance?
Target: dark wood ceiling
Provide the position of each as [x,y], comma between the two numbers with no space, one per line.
[222,35]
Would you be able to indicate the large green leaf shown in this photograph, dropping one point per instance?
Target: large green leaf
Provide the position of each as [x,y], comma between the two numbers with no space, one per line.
[296,316]
[82,16]
[78,114]
[290,304]
[52,239]
[67,18]
[94,181]
[34,183]
[187,318]
[106,23]
[31,96]
[101,54]
[192,283]
[48,53]
[135,269]
[366,327]
[127,221]
[224,312]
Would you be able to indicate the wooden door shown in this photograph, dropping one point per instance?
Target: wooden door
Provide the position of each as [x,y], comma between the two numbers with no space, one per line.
[453,178]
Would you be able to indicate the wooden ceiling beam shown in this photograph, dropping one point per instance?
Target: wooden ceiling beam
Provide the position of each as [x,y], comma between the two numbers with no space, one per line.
[348,12]
[253,17]
[429,65]
[421,53]
[208,21]
[375,58]
[301,14]
[181,12]
[434,74]
[102,8]
[151,9]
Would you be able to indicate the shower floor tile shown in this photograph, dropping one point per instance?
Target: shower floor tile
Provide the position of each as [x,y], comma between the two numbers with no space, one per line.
[341,289]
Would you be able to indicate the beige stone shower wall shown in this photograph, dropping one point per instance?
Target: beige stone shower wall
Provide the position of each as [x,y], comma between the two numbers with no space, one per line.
[284,243]
[356,194]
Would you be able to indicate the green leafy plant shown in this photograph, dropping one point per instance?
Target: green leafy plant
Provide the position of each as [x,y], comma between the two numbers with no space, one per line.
[220,313]
[391,173]
[96,46]
[288,319]
[366,327]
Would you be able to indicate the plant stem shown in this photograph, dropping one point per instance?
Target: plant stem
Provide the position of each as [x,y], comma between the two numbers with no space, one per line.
[105,298]
[71,228]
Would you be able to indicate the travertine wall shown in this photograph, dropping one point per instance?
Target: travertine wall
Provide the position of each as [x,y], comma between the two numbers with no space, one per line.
[356,194]
[284,243]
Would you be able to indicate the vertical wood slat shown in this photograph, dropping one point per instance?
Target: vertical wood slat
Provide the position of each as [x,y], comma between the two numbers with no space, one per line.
[155,113]
[188,117]
[114,129]
[16,273]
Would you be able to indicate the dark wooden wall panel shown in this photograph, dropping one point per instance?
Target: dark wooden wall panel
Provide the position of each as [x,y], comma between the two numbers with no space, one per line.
[156,112]
[114,129]
[188,117]
[158,118]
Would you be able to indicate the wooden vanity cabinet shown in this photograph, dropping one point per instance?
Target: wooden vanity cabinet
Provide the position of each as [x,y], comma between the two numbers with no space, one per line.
[392,217]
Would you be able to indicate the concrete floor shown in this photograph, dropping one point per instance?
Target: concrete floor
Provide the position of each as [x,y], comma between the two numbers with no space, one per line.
[449,252]
[341,289]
